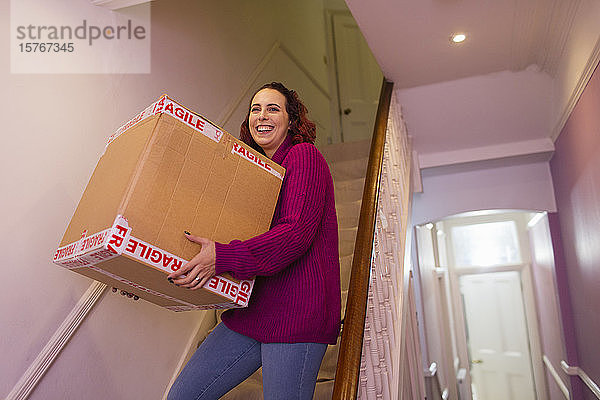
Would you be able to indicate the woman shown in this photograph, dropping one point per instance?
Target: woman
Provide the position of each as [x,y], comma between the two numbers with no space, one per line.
[294,309]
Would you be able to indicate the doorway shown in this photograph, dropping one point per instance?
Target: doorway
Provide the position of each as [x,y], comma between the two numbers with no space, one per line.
[497,338]
[355,77]
[480,322]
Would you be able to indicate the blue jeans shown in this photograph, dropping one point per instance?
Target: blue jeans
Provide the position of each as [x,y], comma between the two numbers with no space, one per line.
[227,358]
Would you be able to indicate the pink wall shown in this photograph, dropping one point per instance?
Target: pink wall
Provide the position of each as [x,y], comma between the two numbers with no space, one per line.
[54,129]
[549,317]
[575,169]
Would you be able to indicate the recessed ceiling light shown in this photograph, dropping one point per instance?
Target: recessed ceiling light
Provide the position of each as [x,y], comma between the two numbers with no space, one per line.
[458,37]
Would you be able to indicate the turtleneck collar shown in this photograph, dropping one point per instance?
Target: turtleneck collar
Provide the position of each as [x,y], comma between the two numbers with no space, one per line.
[283,149]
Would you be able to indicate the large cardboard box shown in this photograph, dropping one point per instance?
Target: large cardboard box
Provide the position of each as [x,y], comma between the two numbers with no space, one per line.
[165,171]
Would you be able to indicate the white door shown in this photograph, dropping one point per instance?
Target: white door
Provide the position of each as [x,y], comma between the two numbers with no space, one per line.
[359,79]
[497,336]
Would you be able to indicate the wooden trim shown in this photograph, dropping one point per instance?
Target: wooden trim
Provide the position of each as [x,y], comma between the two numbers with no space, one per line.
[251,80]
[305,71]
[348,365]
[334,102]
[57,342]
[231,107]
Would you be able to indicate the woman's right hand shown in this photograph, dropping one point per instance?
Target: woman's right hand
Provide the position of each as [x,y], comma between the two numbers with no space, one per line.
[199,269]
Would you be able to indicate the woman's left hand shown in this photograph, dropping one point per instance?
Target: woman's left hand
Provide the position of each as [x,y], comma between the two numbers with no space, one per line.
[199,269]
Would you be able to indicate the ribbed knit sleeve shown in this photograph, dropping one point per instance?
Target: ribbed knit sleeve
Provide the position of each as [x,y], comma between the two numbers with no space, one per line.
[301,204]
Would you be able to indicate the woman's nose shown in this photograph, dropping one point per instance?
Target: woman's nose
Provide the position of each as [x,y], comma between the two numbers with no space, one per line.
[263,114]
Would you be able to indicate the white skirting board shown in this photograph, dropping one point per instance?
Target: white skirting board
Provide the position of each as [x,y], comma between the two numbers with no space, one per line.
[57,342]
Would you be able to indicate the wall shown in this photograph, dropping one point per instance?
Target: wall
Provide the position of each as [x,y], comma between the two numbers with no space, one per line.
[480,111]
[546,293]
[580,56]
[576,173]
[520,183]
[204,54]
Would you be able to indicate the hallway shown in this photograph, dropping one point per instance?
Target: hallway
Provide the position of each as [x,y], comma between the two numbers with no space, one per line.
[508,120]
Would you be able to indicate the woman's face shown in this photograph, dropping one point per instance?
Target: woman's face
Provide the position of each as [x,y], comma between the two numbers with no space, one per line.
[268,120]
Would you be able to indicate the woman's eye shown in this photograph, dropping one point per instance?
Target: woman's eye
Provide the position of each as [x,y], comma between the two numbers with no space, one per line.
[273,109]
[255,109]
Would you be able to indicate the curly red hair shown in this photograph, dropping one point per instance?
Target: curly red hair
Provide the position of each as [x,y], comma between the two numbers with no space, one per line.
[302,130]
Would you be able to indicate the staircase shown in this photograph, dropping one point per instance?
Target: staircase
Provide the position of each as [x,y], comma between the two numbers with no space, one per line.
[348,163]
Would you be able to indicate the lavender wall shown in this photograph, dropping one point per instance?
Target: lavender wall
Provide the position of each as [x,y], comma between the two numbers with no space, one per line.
[551,334]
[575,170]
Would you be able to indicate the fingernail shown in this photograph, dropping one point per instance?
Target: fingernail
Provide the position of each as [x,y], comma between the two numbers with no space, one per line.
[136,297]
[186,232]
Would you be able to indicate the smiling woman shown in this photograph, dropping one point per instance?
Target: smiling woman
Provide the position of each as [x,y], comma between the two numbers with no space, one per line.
[276,101]
[294,310]
[268,120]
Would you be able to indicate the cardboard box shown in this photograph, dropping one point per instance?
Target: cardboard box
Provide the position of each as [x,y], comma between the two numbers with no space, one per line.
[165,171]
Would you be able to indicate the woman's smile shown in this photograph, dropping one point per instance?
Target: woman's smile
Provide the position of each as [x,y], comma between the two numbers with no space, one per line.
[264,128]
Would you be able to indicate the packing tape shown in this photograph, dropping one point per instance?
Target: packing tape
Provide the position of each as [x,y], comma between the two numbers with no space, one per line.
[200,124]
[166,105]
[117,240]
[254,159]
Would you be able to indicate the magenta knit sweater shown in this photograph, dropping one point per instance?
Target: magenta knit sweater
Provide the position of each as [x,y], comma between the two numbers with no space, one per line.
[296,295]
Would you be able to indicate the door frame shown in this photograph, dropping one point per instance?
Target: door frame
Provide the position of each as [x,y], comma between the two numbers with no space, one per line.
[334,89]
[524,268]
[437,316]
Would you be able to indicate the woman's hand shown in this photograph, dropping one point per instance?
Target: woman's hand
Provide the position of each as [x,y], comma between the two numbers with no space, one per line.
[199,269]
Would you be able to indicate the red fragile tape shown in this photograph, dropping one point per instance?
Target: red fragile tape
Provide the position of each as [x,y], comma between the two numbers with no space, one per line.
[91,250]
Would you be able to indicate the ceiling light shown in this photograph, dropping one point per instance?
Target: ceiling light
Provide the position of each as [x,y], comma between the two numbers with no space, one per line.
[458,37]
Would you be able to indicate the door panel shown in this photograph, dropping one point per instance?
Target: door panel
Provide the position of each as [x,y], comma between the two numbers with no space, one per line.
[497,336]
[359,79]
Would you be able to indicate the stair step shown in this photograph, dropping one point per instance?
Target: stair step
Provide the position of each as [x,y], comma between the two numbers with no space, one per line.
[349,169]
[344,301]
[349,190]
[346,151]
[346,237]
[324,390]
[345,268]
[348,213]
[329,363]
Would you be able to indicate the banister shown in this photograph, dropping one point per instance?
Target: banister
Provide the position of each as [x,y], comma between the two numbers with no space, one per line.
[576,371]
[348,365]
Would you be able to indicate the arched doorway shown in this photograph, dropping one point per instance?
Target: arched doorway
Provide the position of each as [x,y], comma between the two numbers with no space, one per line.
[478,303]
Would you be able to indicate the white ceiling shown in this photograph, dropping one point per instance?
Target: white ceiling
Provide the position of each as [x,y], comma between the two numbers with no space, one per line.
[499,94]
[410,38]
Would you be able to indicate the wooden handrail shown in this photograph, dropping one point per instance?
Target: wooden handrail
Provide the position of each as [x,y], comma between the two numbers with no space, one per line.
[348,364]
